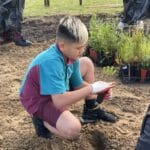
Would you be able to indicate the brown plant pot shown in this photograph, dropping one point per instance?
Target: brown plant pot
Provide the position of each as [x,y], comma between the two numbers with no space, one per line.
[143,74]
[93,54]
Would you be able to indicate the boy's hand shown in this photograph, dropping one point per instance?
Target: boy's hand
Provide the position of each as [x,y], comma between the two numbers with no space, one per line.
[100,86]
[107,95]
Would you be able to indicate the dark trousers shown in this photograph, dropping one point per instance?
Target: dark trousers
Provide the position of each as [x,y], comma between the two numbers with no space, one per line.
[144,139]
[11,16]
[134,10]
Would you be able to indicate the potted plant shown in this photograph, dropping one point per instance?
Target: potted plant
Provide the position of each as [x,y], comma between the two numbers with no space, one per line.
[145,66]
[104,41]
[145,62]
[94,42]
[91,52]
[129,56]
[109,43]
[125,54]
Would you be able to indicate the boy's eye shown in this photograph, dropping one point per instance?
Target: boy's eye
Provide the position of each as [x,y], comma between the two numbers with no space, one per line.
[80,48]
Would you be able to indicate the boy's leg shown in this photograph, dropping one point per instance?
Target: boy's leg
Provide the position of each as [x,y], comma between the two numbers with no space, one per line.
[58,121]
[91,110]
[40,129]
[67,126]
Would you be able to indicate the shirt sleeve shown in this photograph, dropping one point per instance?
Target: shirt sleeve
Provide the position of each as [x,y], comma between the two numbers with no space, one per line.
[51,78]
[76,78]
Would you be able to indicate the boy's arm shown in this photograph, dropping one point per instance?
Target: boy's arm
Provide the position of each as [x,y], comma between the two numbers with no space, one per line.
[84,83]
[68,98]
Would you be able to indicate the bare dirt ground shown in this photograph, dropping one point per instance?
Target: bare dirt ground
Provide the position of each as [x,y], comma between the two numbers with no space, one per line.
[129,102]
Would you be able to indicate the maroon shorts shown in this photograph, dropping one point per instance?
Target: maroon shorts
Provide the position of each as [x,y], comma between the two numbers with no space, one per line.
[48,112]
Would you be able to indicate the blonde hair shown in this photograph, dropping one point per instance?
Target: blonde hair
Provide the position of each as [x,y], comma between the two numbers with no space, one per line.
[72,29]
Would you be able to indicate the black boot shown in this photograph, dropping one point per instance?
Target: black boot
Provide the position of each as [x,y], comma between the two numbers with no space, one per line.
[100,97]
[6,37]
[1,40]
[40,129]
[22,42]
[95,114]
[19,40]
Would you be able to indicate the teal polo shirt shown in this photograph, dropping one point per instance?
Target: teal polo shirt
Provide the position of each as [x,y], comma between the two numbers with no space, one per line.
[55,77]
[48,74]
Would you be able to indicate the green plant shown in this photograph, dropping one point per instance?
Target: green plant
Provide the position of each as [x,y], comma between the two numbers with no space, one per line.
[146,47]
[94,40]
[137,40]
[145,57]
[130,47]
[108,36]
[125,52]
[103,35]
[109,70]
[103,39]
[145,64]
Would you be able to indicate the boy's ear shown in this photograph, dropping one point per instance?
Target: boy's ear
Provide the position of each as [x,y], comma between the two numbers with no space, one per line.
[61,45]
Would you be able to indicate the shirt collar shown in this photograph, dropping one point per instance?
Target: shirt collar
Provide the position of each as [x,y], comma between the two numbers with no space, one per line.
[69,61]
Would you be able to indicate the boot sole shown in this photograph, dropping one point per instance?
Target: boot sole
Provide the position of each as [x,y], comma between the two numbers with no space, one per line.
[86,121]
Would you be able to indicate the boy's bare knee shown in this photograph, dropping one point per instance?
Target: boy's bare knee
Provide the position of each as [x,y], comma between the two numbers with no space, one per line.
[86,64]
[86,60]
[73,131]
[87,69]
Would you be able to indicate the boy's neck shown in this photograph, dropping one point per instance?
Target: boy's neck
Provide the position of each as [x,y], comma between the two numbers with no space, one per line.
[66,59]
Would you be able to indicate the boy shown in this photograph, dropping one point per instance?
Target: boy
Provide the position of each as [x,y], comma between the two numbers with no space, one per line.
[57,78]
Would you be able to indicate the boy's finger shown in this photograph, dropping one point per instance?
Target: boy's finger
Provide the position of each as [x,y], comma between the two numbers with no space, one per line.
[112,84]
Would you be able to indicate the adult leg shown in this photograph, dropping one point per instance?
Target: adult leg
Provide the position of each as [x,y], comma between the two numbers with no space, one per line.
[133,11]
[4,37]
[13,22]
[144,139]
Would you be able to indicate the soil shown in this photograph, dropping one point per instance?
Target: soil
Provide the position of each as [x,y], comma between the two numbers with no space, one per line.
[129,101]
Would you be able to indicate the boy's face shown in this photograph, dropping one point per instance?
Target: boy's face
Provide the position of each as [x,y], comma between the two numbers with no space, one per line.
[72,50]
